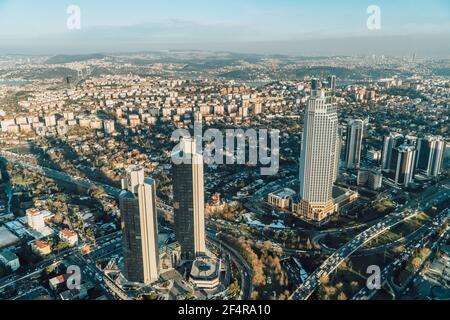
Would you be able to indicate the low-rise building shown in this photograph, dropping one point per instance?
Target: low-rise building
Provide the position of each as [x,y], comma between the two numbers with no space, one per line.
[9,259]
[373,179]
[69,236]
[282,198]
[35,219]
[77,294]
[205,272]
[57,282]
[41,248]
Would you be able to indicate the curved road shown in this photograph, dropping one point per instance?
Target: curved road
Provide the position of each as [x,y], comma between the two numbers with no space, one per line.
[331,264]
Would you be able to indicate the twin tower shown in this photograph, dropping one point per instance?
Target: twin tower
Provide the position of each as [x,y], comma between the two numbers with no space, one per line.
[139,216]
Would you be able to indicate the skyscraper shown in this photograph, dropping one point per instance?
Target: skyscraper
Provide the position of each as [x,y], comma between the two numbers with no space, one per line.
[318,156]
[403,164]
[189,203]
[353,146]
[430,155]
[390,142]
[330,88]
[337,158]
[140,227]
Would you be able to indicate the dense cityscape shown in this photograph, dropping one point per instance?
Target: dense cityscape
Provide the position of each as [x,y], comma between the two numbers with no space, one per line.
[224,158]
[89,181]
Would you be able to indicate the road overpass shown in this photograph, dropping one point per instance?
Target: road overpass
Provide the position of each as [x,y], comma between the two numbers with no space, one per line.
[305,291]
[366,294]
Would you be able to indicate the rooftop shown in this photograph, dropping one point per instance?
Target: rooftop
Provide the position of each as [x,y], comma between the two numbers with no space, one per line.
[284,193]
[67,233]
[33,212]
[41,244]
[205,268]
[7,238]
[8,255]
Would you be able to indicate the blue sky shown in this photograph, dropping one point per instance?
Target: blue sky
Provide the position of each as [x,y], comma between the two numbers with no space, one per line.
[141,23]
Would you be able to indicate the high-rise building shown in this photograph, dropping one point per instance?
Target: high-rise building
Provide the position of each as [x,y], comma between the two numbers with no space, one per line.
[371,178]
[337,159]
[140,227]
[430,155]
[447,157]
[390,142]
[403,164]
[318,156]
[411,140]
[353,146]
[332,83]
[189,203]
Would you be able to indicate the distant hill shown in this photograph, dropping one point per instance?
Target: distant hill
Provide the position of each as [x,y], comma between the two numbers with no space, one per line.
[349,73]
[60,59]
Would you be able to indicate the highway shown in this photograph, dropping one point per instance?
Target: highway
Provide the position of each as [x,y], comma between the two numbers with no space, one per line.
[37,268]
[330,265]
[241,263]
[418,241]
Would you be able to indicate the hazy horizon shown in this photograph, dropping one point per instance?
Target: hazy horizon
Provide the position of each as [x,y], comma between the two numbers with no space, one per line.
[286,27]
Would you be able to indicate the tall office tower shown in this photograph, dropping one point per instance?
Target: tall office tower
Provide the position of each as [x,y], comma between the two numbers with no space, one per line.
[403,164]
[140,227]
[332,83]
[329,87]
[353,147]
[411,141]
[447,157]
[430,155]
[337,159]
[318,156]
[189,203]
[390,142]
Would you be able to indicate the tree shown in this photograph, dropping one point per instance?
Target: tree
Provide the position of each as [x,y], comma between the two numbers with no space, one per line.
[58,218]
[399,249]
[152,296]
[234,290]
[49,270]
[416,263]
[342,296]
[267,245]
[324,280]
[354,286]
